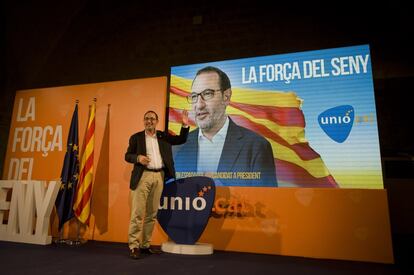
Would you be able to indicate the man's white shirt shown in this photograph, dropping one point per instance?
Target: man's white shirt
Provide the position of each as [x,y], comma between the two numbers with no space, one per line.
[209,151]
[153,151]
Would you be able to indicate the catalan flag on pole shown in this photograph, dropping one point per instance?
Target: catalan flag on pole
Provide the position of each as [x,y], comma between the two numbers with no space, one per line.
[82,205]
[275,115]
[70,173]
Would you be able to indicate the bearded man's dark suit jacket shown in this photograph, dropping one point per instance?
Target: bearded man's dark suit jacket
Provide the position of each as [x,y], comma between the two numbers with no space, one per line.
[137,147]
[243,151]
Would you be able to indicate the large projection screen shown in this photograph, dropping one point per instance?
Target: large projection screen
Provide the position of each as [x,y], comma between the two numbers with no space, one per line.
[303,119]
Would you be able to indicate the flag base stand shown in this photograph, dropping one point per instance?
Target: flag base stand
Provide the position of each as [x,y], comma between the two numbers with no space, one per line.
[59,241]
[72,242]
[69,242]
[187,249]
[77,242]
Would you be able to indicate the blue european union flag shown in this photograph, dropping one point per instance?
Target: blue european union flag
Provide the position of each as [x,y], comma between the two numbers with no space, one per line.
[70,173]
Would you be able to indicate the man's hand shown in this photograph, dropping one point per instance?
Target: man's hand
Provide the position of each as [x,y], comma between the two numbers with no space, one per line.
[144,160]
[185,118]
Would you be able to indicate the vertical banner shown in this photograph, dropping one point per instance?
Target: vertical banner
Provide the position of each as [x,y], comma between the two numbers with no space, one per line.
[41,121]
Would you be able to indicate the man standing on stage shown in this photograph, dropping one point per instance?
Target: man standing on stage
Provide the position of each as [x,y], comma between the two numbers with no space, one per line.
[150,152]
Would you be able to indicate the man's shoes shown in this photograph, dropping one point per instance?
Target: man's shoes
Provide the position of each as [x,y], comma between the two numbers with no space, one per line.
[151,250]
[135,253]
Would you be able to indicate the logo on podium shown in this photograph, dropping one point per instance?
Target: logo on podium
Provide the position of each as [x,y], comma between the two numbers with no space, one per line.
[184,211]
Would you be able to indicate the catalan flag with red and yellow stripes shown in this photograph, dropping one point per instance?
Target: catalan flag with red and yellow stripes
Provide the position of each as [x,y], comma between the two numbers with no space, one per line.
[275,115]
[82,205]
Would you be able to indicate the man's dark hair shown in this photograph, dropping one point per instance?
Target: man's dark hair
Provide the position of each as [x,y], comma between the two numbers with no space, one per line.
[150,111]
[223,78]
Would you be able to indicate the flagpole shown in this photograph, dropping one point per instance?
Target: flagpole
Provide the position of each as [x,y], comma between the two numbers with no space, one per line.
[76,241]
[68,178]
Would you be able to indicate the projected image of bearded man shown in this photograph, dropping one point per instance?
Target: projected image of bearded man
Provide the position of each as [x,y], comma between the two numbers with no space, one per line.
[210,109]
[220,145]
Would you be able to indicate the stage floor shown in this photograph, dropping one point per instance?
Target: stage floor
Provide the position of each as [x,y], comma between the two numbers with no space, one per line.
[112,258]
